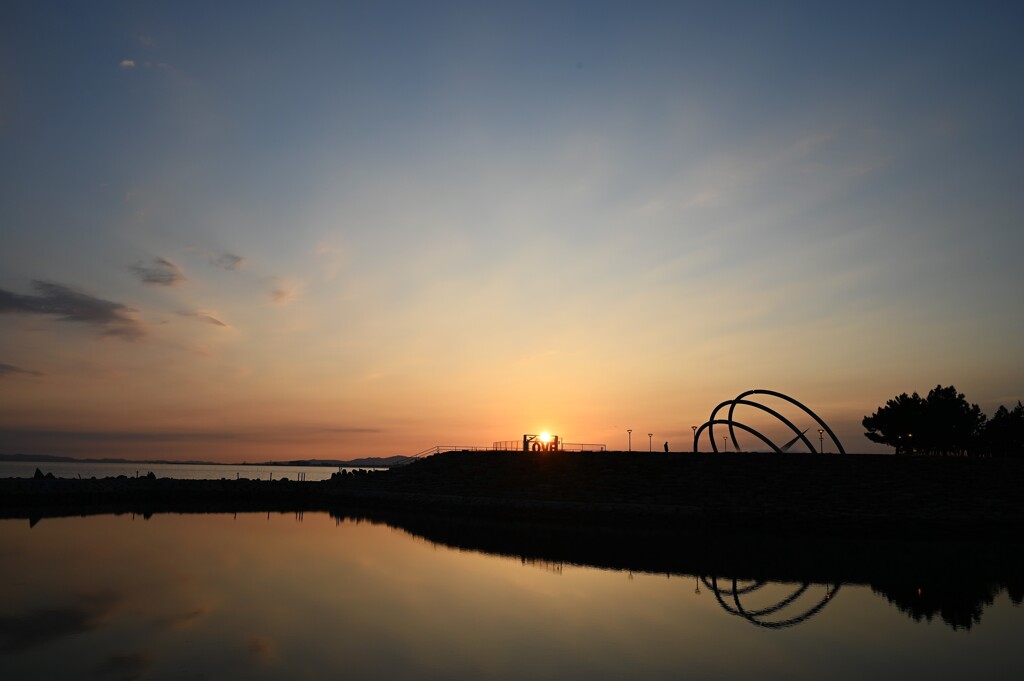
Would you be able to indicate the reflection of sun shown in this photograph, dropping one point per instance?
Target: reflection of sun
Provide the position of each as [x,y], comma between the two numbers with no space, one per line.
[545,437]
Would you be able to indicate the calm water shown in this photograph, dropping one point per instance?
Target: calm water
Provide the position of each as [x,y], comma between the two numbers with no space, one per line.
[19,469]
[258,596]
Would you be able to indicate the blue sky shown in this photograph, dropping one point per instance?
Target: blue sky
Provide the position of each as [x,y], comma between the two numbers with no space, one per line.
[357,228]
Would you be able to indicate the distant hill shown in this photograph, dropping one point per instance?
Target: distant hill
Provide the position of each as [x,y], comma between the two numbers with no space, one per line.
[365,462]
[35,457]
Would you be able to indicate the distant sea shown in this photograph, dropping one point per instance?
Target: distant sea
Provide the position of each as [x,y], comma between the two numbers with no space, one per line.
[75,469]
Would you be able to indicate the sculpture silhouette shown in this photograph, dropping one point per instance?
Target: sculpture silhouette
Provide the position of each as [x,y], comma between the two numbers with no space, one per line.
[710,424]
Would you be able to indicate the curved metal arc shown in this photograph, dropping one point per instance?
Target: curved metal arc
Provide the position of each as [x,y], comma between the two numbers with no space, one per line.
[750,403]
[738,425]
[787,398]
[711,428]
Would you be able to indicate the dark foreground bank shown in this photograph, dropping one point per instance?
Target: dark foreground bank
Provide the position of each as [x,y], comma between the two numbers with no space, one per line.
[750,492]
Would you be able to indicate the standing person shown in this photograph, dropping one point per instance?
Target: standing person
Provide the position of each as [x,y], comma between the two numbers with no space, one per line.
[666,447]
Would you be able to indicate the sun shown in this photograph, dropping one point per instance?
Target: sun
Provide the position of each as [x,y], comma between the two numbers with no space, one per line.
[545,437]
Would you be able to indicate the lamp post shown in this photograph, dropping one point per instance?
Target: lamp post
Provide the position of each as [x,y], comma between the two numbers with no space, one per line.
[725,444]
[821,441]
[629,436]
[650,442]
[694,439]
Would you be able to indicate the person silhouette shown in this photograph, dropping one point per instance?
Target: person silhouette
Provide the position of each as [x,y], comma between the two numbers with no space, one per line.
[666,447]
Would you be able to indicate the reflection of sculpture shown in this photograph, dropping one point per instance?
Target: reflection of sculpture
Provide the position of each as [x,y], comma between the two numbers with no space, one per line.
[712,422]
[761,616]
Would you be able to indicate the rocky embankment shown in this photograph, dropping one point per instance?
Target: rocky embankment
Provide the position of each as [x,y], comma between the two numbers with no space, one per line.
[853,493]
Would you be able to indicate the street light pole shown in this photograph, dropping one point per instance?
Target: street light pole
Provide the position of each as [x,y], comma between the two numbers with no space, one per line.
[725,444]
[821,441]
[650,442]
[629,436]
[694,439]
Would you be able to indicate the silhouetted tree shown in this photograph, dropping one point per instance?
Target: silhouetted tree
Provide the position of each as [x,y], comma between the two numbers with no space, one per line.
[942,423]
[895,423]
[1004,433]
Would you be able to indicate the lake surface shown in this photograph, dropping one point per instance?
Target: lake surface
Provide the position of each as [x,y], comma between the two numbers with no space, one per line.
[181,471]
[316,596]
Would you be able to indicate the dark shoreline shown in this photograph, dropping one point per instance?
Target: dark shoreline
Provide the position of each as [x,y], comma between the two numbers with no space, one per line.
[749,493]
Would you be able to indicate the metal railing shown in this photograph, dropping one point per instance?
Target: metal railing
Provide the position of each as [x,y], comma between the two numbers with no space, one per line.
[502,446]
[517,446]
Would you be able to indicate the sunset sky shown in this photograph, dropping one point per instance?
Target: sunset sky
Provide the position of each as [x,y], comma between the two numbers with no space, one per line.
[297,230]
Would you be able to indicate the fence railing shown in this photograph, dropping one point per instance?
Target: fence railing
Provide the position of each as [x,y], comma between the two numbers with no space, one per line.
[517,446]
[504,446]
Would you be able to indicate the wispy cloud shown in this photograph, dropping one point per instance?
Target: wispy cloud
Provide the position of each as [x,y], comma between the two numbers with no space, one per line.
[127,64]
[204,317]
[14,438]
[282,295]
[332,260]
[8,369]
[161,272]
[228,261]
[127,667]
[282,292]
[58,435]
[70,305]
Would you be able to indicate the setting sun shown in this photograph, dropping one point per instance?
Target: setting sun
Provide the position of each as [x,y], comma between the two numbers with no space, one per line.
[545,437]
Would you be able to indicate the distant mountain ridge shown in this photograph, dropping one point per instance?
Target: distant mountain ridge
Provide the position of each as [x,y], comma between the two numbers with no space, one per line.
[365,462]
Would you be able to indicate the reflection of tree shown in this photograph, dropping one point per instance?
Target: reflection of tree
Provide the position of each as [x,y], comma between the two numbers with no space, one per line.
[959,605]
[786,612]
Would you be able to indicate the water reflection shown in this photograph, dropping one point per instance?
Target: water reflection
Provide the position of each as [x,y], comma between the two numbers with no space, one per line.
[307,595]
[786,612]
[952,582]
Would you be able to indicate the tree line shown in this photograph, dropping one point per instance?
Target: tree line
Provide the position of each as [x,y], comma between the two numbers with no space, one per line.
[945,424]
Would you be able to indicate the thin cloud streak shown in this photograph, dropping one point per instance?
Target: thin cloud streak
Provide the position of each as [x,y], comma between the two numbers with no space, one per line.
[70,305]
[13,436]
[228,261]
[282,292]
[162,272]
[205,317]
[9,369]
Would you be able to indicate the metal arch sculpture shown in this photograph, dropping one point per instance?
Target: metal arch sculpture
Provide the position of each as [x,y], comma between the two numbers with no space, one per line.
[732,424]
[760,617]
[722,422]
